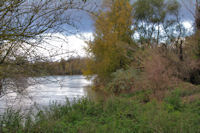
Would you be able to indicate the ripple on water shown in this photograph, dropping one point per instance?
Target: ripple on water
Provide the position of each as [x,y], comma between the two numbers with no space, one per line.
[47,90]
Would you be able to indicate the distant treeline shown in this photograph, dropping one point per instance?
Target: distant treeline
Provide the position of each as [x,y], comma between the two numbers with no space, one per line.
[19,66]
[72,66]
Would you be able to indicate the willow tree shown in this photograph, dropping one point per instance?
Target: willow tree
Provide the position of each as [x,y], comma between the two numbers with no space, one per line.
[113,45]
[157,21]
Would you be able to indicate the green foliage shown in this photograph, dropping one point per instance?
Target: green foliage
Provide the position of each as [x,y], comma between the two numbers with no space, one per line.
[152,17]
[11,121]
[114,115]
[23,68]
[112,50]
[174,100]
[154,11]
[122,80]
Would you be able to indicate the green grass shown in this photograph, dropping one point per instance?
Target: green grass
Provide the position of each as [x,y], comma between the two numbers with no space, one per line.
[115,115]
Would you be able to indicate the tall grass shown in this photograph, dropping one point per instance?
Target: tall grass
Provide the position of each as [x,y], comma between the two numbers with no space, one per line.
[117,115]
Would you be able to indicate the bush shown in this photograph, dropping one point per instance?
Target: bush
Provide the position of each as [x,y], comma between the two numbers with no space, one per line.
[174,100]
[159,73]
[163,70]
[123,80]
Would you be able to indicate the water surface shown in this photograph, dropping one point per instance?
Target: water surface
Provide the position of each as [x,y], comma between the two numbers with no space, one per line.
[46,90]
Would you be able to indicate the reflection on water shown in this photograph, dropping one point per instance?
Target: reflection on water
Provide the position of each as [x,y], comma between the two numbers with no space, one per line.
[46,90]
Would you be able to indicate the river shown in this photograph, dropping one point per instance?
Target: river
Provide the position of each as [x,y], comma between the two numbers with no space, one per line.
[46,90]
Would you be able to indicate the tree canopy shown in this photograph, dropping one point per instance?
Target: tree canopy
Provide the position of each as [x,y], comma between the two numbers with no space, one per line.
[110,49]
[157,21]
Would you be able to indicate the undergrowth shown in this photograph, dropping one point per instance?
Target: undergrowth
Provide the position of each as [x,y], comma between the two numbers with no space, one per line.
[119,114]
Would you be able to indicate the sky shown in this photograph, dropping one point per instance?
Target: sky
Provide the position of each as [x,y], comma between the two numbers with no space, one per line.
[62,46]
[74,44]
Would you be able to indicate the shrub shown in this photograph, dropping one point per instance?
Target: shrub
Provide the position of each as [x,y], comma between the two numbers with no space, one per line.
[174,100]
[163,70]
[123,80]
[159,72]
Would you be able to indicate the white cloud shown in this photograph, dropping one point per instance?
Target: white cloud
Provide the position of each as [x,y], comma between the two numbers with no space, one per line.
[187,24]
[62,46]
[59,46]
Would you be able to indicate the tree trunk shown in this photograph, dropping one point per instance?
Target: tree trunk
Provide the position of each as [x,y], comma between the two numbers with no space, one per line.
[181,50]
[197,15]
[1,87]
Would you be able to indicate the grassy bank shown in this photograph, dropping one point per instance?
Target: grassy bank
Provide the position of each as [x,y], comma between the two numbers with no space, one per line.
[119,114]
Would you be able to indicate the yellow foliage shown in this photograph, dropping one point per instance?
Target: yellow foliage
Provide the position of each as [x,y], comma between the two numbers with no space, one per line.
[112,38]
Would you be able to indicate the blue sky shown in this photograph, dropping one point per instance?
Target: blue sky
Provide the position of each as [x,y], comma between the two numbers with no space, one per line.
[86,23]
[76,42]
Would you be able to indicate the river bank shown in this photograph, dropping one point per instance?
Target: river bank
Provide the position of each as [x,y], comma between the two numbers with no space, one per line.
[116,114]
[79,110]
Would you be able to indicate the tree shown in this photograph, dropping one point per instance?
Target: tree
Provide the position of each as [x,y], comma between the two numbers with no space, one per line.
[25,23]
[112,46]
[157,21]
[197,15]
[22,21]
